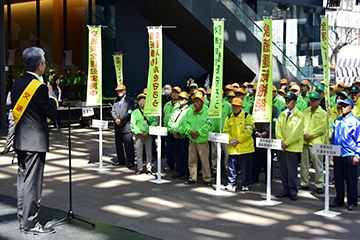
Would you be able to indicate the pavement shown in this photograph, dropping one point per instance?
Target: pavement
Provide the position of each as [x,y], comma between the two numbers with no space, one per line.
[123,205]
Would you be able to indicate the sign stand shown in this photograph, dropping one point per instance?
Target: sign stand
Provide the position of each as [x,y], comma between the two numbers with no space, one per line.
[100,124]
[219,138]
[269,144]
[326,150]
[159,131]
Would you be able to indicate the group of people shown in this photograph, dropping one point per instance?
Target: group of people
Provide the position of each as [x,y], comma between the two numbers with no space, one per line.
[299,121]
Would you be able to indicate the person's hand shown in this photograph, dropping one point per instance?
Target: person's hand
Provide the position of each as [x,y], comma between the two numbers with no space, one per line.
[118,122]
[307,137]
[257,134]
[234,142]
[264,134]
[355,161]
[194,134]
[50,89]
[283,145]
[175,133]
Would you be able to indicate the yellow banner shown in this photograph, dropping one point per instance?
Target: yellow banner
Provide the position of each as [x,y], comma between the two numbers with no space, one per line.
[324,39]
[154,84]
[215,110]
[118,62]
[94,82]
[262,110]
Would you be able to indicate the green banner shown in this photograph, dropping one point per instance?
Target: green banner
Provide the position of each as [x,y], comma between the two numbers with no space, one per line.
[324,39]
[118,63]
[154,84]
[94,83]
[215,110]
[262,111]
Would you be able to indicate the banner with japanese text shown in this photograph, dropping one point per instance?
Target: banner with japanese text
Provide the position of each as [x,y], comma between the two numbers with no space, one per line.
[118,62]
[262,111]
[94,81]
[324,40]
[215,110]
[153,105]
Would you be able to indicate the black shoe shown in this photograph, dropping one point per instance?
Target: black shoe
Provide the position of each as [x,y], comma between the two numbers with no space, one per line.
[176,175]
[281,195]
[352,208]
[40,230]
[130,165]
[334,204]
[149,172]
[184,177]
[294,197]
[319,190]
[189,182]
[167,168]
[208,184]
[304,187]
[332,182]
[117,163]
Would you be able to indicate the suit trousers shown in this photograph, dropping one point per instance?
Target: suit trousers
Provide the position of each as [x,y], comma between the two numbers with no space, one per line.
[170,160]
[197,150]
[288,163]
[181,155]
[29,187]
[344,170]
[318,164]
[140,142]
[127,140]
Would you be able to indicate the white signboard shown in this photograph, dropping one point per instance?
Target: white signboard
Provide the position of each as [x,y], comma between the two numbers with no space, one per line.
[87,112]
[268,143]
[156,130]
[218,137]
[323,149]
[100,124]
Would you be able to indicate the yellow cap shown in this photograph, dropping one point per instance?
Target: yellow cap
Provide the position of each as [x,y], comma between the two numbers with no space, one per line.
[240,90]
[202,90]
[184,95]
[144,91]
[208,91]
[245,84]
[282,91]
[231,94]
[292,84]
[120,87]
[236,102]
[283,81]
[141,95]
[235,85]
[177,89]
[295,87]
[274,88]
[229,87]
[199,95]
[305,82]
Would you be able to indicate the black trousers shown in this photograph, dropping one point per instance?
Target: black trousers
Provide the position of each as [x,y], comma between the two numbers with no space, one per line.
[29,187]
[288,162]
[127,140]
[344,170]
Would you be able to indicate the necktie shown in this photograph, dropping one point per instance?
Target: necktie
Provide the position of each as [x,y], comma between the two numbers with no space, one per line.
[288,115]
[121,103]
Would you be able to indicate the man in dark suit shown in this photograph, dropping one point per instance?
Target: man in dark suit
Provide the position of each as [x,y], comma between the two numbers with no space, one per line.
[121,113]
[31,140]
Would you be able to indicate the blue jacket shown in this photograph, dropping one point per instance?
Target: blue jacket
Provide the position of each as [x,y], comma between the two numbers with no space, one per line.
[346,134]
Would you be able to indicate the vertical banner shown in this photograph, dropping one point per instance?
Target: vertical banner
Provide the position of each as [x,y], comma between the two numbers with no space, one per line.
[215,110]
[263,99]
[324,39]
[118,63]
[154,84]
[94,83]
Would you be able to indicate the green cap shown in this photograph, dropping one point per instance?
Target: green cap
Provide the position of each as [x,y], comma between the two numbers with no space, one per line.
[314,95]
[354,89]
[320,87]
[343,94]
[291,95]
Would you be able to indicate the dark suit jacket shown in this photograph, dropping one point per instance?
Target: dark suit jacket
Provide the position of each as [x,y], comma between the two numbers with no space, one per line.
[123,114]
[32,131]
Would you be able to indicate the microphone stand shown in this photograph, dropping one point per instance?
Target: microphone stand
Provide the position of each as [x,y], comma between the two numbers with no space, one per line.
[70,214]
